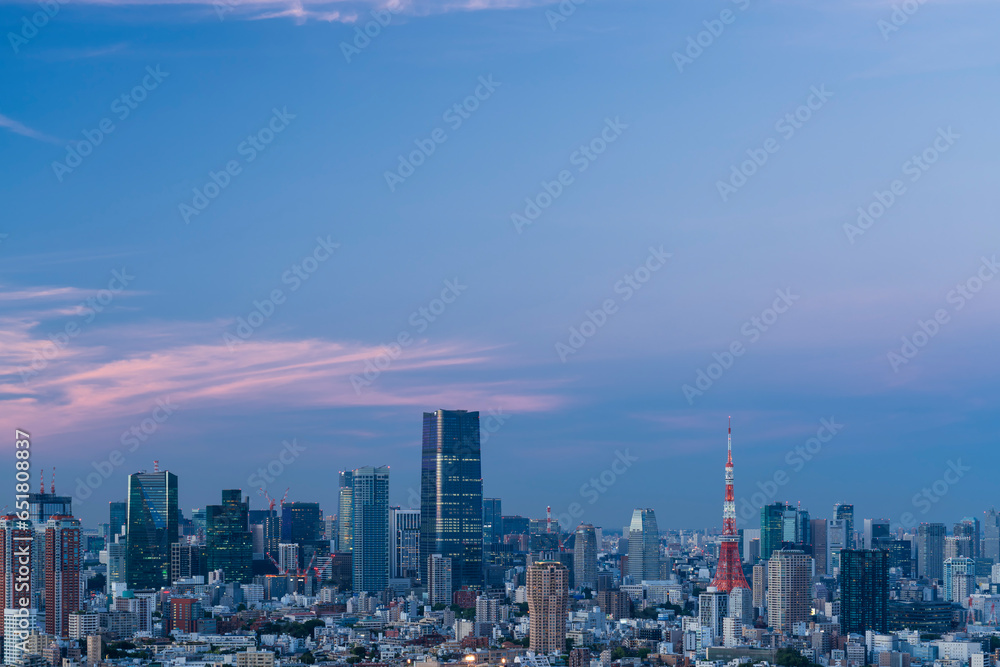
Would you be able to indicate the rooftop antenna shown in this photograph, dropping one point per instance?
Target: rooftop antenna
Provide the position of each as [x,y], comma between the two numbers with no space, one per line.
[41,487]
[52,482]
[156,466]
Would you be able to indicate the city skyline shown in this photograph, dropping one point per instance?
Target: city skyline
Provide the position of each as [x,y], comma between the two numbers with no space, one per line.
[602,325]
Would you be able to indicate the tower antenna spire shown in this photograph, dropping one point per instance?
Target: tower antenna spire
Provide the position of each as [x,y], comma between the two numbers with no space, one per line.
[729,571]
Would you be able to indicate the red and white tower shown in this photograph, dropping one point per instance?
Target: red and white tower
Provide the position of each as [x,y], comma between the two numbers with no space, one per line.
[729,573]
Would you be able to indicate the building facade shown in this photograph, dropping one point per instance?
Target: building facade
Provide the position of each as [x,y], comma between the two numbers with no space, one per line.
[371,529]
[451,494]
[585,557]
[788,573]
[643,546]
[864,591]
[547,585]
[228,541]
[151,528]
[63,563]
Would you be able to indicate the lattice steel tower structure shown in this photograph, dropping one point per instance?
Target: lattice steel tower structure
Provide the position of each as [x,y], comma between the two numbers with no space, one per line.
[729,573]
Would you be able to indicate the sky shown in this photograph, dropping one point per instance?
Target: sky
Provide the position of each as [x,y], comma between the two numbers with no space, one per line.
[268,234]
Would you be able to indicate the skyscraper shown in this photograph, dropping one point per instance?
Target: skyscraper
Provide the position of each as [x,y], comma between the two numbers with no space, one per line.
[345,513]
[991,535]
[930,550]
[864,591]
[643,546]
[846,512]
[370,553]
[729,572]
[439,582]
[874,529]
[772,524]
[63,562]
[713,608]
[836,541]
[228,542]
[404,543]
[585,557]
[820,553]
[16,553]
[969,527]
[548,593]
[152,528]
[787,589]
[265,527]
[451,494]
[492,521]
[117,515]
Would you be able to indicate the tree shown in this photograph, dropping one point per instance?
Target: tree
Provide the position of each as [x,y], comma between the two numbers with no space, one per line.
[308,658]
[789,657]
[588,594]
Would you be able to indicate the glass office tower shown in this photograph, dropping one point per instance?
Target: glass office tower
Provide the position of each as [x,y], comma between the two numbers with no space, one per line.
[451,495]
[228,541]
[152,528]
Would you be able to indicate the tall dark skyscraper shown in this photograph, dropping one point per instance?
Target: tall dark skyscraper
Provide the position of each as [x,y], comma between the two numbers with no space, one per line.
[451,495]
[302,524]
[930,550]
[492,521]
[900,553]
[969,527]
[864,591]
[152,528]
[772,524]
[41,506]
[820,552]
[265,527]
[991,535]
[117,516]
[228,541]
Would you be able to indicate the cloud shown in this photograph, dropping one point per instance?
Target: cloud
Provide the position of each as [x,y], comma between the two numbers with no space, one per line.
[25,131]
[89,386]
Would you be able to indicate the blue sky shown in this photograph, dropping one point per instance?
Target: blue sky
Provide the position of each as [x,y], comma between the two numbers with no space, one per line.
[649,186]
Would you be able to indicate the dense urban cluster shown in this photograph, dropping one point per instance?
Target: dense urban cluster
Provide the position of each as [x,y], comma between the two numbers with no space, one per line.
[455,581]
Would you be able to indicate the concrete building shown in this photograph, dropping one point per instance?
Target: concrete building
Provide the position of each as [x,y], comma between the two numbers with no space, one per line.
[788,573]
[548,594]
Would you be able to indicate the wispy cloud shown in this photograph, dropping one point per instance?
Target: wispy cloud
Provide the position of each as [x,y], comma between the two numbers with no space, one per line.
[25,131]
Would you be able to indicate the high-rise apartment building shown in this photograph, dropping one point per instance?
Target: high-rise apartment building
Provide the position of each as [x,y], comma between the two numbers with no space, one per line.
[759,584]
[439,581]
[547,584]
[864,591]
[585,557]
[151,528]
[788,573]
[713,608]
[117,563]
[345,512]
[451,494]
[63,562]
[930,550]
[643,546]
[741,605]
[288,557]
[370,550]
[16,559]
[404,543]
[846,513]
[959,579]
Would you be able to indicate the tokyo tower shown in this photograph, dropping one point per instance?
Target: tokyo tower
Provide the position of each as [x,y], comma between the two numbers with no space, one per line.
[729,573]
